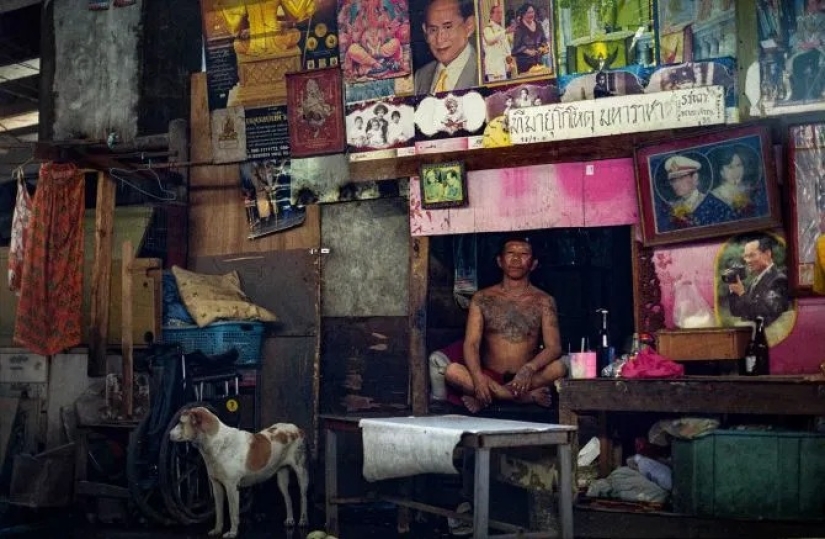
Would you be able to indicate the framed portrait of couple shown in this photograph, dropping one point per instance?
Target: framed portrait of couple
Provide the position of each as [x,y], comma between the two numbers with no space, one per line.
[715,185]
[443,185]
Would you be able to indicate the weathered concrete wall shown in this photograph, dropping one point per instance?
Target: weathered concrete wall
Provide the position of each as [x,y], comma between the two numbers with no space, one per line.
[366,272]
[96,71]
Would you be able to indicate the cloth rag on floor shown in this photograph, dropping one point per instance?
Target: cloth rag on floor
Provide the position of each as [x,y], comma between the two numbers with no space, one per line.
[405,446]
[49,312]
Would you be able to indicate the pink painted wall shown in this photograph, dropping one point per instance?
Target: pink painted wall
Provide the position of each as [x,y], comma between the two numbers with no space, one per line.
[800,352]
[601,193]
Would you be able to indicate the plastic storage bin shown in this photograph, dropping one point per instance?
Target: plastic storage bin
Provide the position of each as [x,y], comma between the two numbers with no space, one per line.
[751,474]
[220,337]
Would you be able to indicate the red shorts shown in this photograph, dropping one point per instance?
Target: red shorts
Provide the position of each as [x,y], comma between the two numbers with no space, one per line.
[455,353]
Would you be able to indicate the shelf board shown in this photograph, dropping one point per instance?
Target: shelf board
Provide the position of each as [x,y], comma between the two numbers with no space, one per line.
[519,155]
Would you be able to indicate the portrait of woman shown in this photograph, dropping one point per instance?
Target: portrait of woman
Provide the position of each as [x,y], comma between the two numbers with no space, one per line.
[738,180]
[529,41]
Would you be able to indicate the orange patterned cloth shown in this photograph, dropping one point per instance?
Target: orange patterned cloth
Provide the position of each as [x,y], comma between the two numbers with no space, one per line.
[49,311]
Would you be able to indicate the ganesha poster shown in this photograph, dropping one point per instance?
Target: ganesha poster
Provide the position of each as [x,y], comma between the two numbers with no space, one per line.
[315,106]
[374,39]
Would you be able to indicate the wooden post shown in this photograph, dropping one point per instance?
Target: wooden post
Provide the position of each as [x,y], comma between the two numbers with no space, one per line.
[101,275]
[419,282]
[127,260]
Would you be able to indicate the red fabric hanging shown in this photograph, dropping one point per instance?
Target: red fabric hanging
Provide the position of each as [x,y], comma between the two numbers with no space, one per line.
[49,312]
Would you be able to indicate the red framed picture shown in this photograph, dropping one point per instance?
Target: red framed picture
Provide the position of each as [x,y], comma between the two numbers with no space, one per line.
[713,185]
[315,107]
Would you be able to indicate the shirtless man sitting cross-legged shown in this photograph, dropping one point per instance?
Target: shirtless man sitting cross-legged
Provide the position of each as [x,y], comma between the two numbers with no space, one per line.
[506,323]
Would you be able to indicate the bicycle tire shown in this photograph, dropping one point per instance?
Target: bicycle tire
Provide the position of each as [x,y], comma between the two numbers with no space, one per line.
[142,476]
[186,511]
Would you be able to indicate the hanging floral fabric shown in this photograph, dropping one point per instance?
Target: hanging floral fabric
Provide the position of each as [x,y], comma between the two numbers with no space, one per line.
[49,312]
[19,226]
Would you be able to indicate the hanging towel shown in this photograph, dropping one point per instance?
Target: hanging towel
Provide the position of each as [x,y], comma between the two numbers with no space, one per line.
[19,227]
[49,312]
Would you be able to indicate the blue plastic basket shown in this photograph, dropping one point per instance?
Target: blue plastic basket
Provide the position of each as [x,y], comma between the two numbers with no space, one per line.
[220,337]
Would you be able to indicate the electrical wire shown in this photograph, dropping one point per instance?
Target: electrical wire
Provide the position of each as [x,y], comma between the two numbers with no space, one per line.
[168,196]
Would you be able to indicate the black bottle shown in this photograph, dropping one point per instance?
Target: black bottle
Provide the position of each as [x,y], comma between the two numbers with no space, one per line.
[603,352]
[757,358]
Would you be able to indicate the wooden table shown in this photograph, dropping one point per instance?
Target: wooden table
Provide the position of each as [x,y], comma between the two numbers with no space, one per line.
[481,442]
[762,395]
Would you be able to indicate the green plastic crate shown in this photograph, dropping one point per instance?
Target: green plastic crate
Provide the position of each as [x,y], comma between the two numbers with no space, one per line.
[751,474]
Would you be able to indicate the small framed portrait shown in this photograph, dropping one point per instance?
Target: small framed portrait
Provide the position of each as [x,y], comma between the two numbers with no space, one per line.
[718,184]
[443,185]
[315,106]
[806,219]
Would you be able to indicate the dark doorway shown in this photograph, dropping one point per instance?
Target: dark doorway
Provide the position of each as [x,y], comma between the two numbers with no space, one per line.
[584,269]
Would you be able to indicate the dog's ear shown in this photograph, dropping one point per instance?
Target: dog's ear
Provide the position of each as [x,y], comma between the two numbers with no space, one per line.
[195,417]
[203,420]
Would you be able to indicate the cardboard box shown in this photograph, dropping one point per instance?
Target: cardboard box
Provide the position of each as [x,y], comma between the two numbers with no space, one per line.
[703,344]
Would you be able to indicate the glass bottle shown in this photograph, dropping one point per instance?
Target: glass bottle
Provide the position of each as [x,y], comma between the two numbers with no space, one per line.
[603,352]
[757,357]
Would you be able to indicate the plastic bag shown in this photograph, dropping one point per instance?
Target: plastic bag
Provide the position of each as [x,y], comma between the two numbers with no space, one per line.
[690,310]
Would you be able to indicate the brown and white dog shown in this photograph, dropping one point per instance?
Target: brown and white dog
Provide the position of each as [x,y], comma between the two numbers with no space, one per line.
[235,458]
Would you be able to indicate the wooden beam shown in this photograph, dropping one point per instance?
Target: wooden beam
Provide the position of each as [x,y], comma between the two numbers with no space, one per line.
[13,5]
[419,282]
[127,263]
[101,274]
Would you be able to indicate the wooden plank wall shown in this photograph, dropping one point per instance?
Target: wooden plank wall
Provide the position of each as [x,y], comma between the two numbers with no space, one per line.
[217,221]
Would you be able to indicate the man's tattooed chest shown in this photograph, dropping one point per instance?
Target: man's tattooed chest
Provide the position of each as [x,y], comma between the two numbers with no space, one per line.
[515,321]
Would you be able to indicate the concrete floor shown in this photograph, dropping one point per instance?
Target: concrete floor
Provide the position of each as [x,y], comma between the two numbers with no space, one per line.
[358,523]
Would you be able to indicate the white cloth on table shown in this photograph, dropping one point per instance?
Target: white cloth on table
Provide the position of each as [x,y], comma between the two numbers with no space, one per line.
[405,446]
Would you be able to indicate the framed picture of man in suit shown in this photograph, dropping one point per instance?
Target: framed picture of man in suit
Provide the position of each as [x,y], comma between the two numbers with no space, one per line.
[444,46]
[751,280]
[717,184]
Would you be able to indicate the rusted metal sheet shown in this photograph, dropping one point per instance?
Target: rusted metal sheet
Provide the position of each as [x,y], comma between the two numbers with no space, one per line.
[365,364]
[287,388]
[366,270]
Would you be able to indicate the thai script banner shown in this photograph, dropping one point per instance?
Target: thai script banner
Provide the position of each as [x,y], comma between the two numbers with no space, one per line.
[617,115]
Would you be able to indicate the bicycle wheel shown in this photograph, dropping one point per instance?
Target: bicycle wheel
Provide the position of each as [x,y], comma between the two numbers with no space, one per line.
[142,474]
[184,483]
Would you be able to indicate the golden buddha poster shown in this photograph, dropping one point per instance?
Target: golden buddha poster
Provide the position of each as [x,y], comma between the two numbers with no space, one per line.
[252,44]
